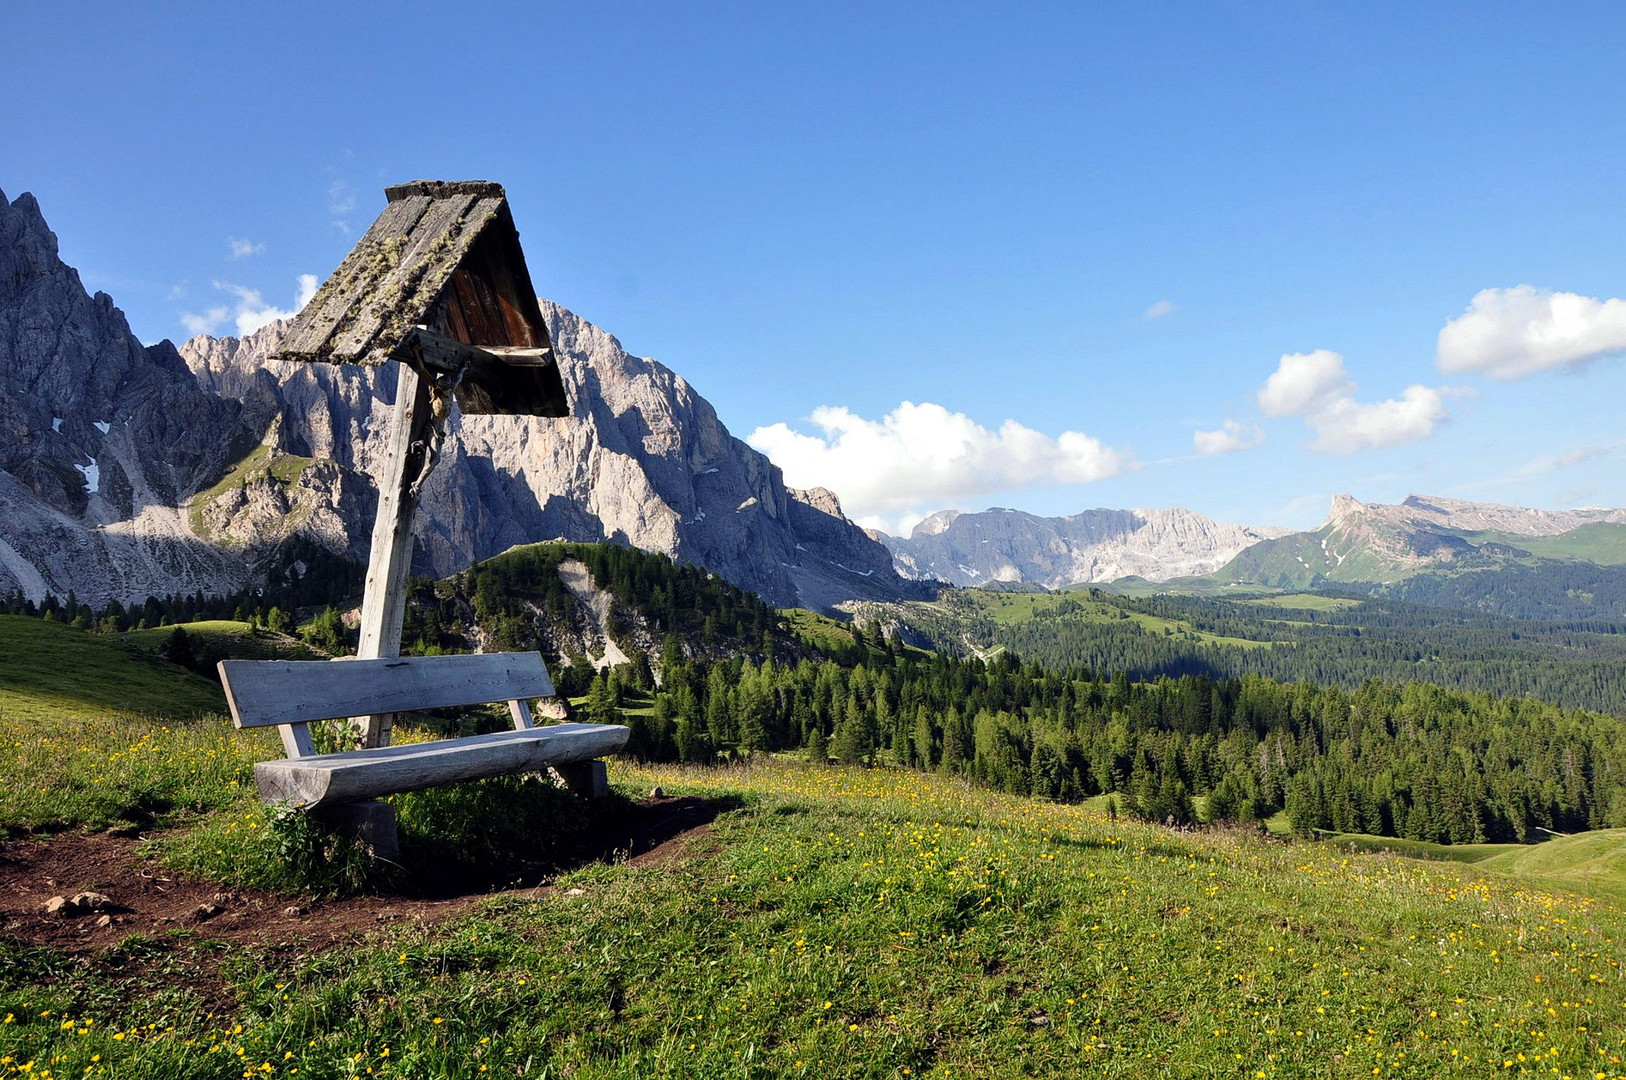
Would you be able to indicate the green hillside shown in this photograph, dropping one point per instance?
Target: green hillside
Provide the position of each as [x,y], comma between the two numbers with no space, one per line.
[1294,562]
[1590,863]
[261,464]
[50,671]
[227,637]
[96,732]
[1580,574]
[876,923]
[1593,864]
[828,921]
[1326,638]
[1601,542]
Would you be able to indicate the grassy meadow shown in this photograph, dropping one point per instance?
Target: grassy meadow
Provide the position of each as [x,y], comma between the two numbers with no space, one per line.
[830,923]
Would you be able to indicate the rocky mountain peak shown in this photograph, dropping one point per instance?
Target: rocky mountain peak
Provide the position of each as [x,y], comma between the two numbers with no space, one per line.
[127,471]
[1344,507]
[934,524]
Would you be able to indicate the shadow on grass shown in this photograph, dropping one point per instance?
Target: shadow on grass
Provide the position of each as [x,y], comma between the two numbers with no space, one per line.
[517,832]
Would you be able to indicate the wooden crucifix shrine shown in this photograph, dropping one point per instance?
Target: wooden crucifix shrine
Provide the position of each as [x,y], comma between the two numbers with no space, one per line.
[438,284]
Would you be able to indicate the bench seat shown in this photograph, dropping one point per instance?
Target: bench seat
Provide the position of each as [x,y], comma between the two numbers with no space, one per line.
[323,779]
[293,694]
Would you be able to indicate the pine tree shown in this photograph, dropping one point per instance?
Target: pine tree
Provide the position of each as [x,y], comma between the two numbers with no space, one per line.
[600,707]
[818,747]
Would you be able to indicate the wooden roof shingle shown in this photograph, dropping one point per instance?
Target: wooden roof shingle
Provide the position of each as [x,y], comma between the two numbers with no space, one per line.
[444,256]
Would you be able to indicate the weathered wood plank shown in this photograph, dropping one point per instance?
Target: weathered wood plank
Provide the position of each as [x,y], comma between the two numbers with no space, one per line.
[262,692]
[296,740]
[383,605]
[398,300]
[366,774]
[374,256]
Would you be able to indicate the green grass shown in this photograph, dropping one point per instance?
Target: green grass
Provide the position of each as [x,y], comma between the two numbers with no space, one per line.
[1417,849]
[819,631]
[1593,864]
[834,923]
[95,732]
[51,672]
[1011,608]
[1305,602]
[851,923]
[236,640]
[1603,543]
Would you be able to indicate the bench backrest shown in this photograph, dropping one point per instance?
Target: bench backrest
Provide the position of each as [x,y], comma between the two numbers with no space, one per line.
[294,692]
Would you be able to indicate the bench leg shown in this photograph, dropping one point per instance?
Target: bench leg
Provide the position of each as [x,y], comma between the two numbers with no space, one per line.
[372,824]
[589,779]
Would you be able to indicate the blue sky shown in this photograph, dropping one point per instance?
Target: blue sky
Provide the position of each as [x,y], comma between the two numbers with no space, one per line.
[1109,221]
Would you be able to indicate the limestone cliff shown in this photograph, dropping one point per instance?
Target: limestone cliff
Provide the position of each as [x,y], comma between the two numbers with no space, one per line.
[127,470]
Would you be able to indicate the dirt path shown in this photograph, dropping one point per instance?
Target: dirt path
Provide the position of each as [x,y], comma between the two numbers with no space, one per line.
[150,899]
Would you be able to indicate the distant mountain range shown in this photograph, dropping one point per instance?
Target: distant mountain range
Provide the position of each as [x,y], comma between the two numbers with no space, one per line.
[1007,546]
[1370,543]
[1360,544]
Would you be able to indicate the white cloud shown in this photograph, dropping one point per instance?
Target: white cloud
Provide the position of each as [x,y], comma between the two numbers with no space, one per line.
[242,249]
[1161,309]
[1551,462]
[1228,438]
[1512,333]
[1317,387]
[925,456]
[206,323]
[250,312]
[1303,382]
[1346,425]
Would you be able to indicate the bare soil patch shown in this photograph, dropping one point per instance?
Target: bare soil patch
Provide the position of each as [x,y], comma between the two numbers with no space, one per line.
[150,899]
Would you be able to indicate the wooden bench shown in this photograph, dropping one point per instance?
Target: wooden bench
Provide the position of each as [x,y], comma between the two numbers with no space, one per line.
[294,693]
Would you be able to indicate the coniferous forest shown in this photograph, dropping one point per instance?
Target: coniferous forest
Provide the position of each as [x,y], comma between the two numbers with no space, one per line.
[1579,662]
[1155,719]
[722,675]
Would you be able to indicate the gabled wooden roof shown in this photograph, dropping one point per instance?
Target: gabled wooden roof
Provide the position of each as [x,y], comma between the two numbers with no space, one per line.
[442,264]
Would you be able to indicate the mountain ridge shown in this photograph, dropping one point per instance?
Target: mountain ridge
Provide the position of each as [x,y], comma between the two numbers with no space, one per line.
[1380,544]
[127,470]
[1099,545]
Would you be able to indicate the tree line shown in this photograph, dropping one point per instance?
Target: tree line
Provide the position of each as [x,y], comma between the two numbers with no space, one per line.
[1393,758]
[1579,663]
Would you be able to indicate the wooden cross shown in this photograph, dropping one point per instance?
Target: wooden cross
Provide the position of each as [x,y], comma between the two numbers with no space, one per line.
[438,285]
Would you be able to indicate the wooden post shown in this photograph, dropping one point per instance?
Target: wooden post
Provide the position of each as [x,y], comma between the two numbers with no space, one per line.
[407,461]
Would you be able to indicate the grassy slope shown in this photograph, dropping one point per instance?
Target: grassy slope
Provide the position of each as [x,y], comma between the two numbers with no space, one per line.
[838,923]
[237,640]
[96,732]
[48,670]
[820,631]
[845,923]
[1601,542]
[1304,602]
[261,463]
[1593,864]
[1007,608]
